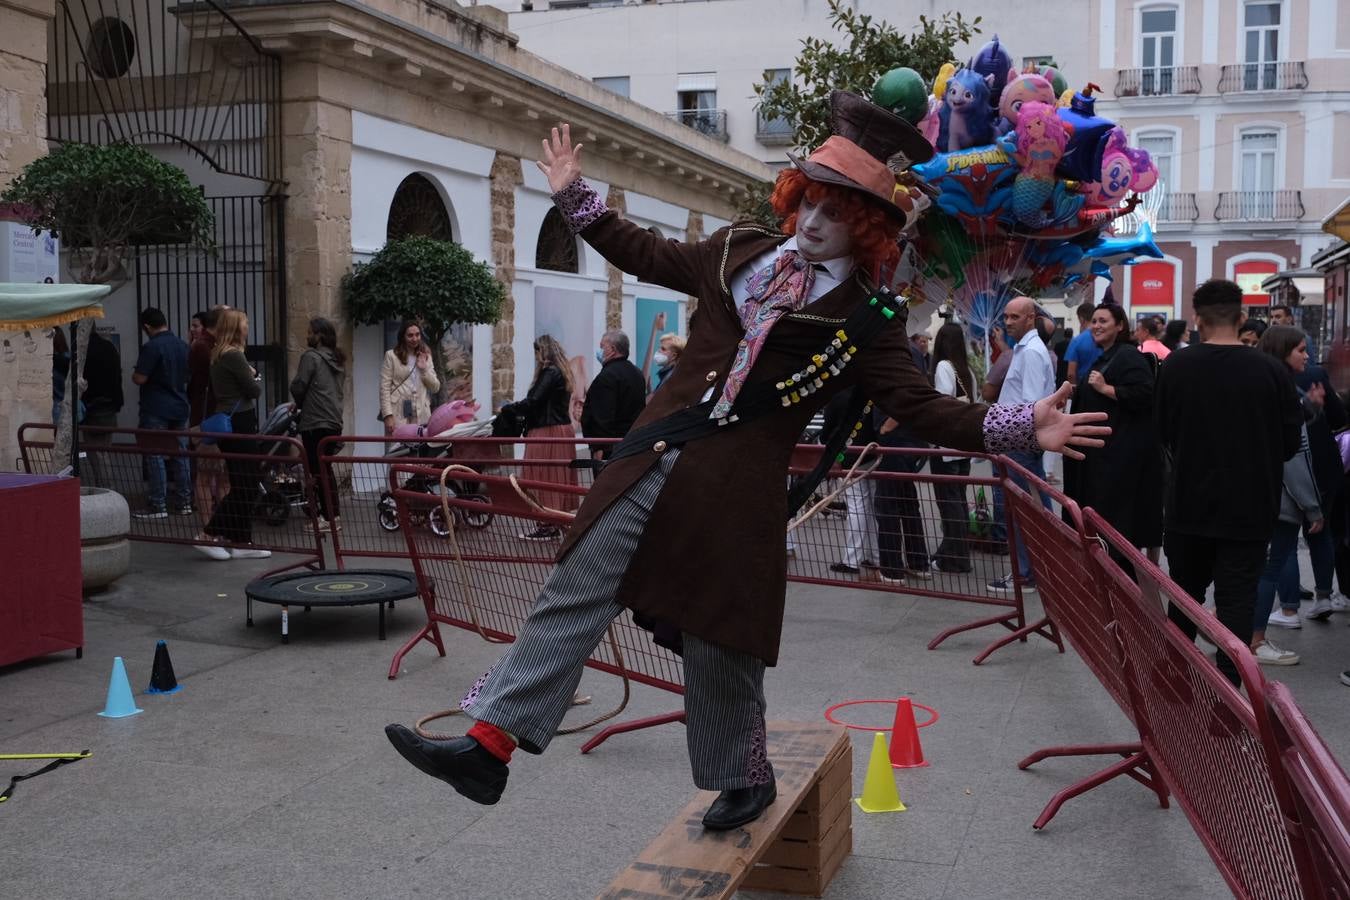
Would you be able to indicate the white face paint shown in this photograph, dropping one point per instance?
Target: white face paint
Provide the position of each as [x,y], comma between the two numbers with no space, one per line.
[821,231]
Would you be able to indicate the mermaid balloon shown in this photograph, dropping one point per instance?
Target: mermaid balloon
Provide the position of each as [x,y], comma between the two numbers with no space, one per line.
[1040,142]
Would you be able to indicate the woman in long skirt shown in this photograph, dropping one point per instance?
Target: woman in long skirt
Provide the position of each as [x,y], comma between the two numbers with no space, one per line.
[546,411]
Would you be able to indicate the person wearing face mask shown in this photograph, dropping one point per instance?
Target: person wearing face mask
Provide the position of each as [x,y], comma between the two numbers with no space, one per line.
[617,395]
[317,392]
[407,380]
[671,346]
[700,477]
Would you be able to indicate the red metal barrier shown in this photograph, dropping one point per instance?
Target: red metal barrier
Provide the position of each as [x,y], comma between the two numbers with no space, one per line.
[359,473]
[485,579]
[1211,745]
[114,458]
[1076,606]
[1319,820]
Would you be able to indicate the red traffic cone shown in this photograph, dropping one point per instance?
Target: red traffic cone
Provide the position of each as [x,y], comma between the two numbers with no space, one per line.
[906,752]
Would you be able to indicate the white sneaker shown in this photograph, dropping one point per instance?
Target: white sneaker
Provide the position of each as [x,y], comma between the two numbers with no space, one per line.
[1267,654]
[249,553]
[212,551]
[1321,610]
[1285,620]
[1338,603]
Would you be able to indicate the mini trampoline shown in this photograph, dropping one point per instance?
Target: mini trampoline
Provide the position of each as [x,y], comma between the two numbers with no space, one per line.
[353,587]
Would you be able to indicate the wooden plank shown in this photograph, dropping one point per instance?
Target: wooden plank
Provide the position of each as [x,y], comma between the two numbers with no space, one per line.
[686,861]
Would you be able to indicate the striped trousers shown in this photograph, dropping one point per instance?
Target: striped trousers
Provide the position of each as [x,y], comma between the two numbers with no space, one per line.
[530,688]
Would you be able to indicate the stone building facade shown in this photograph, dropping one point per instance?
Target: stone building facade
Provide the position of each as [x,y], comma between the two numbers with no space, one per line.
[429,102]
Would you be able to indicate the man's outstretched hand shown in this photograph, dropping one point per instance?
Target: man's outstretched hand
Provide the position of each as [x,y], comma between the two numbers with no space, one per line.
[1059,431]
[561,162]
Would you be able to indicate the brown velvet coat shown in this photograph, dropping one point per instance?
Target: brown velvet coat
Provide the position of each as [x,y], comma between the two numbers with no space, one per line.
[712,561]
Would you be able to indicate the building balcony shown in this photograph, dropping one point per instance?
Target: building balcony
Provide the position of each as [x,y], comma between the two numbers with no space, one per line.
[1178,208]
[712,122]
[772,132]
[1259,206]
[1158,81]
[1248,78]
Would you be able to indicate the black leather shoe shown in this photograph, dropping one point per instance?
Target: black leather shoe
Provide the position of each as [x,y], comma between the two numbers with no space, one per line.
[462,763]
[739,806]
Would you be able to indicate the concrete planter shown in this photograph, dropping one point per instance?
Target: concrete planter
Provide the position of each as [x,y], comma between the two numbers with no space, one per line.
[105,552]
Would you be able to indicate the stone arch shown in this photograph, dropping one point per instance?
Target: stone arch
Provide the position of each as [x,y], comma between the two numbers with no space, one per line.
[418,208]
[556,249]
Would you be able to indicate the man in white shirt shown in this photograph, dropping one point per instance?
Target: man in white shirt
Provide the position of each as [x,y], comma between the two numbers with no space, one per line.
[1031,377]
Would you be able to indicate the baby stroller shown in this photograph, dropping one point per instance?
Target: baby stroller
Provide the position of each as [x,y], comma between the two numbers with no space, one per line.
[441,447]
[281,485]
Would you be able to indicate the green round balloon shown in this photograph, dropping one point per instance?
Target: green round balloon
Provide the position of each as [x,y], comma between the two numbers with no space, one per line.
[1056,79]
[903,92]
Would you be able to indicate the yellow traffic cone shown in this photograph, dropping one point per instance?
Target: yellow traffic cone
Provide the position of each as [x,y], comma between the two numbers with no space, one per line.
[879,791]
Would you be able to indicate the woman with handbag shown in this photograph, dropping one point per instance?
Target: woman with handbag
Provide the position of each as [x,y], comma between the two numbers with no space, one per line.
[236,386]
[546,414]
[317,391]
[407,380]
[952,376]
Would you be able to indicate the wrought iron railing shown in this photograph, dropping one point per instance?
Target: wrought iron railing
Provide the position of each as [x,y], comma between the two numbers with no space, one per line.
[1178,208]
[772,131]
[1158,81]
[712,122]
[1289,75]
[1259,206]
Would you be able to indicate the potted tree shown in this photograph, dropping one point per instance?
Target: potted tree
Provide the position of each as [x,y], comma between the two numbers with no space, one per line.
[436,282]
[103,202]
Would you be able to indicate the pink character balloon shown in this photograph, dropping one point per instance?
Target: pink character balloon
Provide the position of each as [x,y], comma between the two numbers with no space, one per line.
[1041,139]
[1025,87]
[1125,169]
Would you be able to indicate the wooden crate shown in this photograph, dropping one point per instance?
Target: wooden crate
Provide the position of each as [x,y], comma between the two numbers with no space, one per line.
[817,837]
[795,847]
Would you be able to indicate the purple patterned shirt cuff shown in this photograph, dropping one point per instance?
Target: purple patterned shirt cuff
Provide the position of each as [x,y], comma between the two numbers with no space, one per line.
[579,204]
[1010,427]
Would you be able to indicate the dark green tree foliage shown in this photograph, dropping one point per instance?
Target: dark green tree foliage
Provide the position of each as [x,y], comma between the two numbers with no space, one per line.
[103,201]
[437,282]
[866,49]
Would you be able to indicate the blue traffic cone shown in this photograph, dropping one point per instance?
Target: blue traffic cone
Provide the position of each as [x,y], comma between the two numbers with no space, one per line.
[120,702]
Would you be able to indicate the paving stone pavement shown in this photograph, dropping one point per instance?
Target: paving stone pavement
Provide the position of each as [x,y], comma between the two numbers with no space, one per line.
[269,774]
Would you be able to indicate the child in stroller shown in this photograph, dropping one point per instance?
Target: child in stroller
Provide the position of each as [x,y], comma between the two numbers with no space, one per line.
[435,440]
[282,481]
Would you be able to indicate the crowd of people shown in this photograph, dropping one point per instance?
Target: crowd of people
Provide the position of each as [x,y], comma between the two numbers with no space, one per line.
[1163,480]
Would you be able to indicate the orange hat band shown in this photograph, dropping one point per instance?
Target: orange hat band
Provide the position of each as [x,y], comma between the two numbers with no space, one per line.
[853,162]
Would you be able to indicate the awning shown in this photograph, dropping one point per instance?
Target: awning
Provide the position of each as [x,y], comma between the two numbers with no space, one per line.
[698,81]
[1338,223]
[26,307]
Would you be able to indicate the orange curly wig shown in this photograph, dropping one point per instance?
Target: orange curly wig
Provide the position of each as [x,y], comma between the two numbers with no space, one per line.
[874,232]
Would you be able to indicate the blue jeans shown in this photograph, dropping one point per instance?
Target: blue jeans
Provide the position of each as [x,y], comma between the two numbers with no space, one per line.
[1032,462]
[1322,551]
[1277,574]
[155,487]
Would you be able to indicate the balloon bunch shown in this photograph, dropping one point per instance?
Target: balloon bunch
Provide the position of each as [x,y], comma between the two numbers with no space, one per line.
[1027,182]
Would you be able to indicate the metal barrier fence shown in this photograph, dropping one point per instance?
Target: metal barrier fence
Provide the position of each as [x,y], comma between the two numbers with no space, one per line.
[481,577]
[1319,820]
[272,506]
[1077,605]
[1211,744]
[893,517]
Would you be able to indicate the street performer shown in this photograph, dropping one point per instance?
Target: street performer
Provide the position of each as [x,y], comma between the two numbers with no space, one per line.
[785,320]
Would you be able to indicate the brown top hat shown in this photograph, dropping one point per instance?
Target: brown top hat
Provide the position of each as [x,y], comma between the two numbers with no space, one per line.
[869,147]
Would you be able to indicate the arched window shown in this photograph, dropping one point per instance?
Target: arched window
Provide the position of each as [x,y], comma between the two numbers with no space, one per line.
[556,249]
[418,210]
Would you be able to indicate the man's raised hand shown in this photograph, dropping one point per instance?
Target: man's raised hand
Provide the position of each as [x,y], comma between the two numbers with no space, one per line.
[561,161]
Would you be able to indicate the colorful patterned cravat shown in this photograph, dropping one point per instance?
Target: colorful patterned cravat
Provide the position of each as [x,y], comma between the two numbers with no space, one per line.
[775,290]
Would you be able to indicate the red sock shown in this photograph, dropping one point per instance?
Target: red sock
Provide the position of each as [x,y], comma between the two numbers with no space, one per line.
[493,740]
